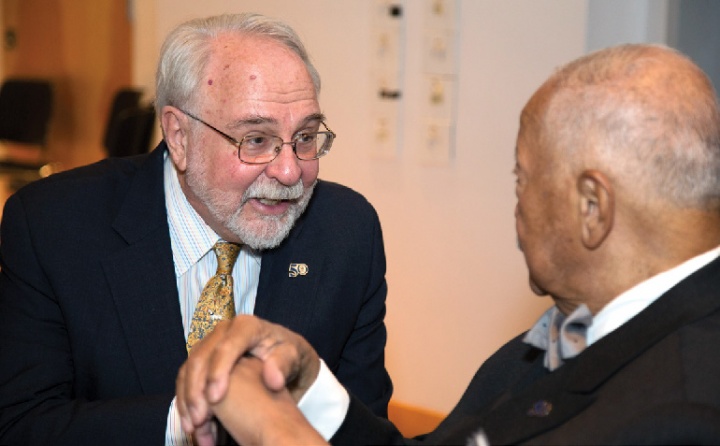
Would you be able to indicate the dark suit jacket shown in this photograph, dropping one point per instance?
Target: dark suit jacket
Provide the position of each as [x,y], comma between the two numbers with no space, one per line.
[91,336]
[656,379]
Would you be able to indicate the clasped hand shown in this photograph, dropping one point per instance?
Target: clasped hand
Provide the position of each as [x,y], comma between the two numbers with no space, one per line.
[250,374]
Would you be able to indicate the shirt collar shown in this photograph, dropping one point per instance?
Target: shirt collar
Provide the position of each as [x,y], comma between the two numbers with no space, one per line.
[633,301]
[561,337]
[191,238]
[625,306]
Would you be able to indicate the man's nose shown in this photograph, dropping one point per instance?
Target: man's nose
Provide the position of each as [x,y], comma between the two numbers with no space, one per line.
[285,168]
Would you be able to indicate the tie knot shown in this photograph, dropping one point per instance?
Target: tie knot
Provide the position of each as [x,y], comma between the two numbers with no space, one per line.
[227,254]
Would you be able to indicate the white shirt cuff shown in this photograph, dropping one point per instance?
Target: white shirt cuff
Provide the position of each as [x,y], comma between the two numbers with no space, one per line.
[174,434]
[325,403]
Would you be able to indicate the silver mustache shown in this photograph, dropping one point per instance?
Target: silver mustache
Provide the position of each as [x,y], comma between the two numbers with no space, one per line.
[272,190]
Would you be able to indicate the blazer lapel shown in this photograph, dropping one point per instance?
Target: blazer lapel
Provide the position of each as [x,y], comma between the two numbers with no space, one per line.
[691,299]
[545,404]
[289,281]
[142,280]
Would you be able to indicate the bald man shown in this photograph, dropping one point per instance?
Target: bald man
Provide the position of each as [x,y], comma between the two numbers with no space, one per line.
[618,217]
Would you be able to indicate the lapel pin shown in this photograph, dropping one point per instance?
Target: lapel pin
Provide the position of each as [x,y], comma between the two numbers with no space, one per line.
[298,269]
[540,408]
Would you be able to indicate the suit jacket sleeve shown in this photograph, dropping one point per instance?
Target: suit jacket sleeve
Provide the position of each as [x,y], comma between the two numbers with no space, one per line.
[361,367]
[69,373]
[362,427]
[37,399]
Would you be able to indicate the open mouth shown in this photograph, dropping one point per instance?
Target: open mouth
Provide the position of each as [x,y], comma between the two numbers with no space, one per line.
[268,202]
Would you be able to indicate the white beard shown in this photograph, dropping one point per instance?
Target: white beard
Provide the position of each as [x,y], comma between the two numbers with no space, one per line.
[262,232]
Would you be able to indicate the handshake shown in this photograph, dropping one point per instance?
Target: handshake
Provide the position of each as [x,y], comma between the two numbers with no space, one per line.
[248,374]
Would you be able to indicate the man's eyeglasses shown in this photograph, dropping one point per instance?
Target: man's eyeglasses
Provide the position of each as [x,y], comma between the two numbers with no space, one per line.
[260,148]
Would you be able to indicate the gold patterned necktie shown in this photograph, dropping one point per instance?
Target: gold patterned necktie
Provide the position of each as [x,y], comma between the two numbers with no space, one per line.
[216,300]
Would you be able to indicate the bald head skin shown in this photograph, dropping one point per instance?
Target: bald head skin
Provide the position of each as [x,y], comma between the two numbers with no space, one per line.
[618,173]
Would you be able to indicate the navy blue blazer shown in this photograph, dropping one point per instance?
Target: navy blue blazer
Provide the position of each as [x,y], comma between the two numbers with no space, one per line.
[654,380]
[91,336]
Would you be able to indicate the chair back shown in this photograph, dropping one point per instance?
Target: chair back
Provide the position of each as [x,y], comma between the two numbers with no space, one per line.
[133,132]
[25,110]
[124,99]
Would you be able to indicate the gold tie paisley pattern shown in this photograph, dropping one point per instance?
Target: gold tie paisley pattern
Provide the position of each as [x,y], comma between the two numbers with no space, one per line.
[216,300]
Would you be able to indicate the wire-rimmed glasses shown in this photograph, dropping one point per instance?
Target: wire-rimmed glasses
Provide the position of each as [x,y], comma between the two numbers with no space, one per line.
[261,148]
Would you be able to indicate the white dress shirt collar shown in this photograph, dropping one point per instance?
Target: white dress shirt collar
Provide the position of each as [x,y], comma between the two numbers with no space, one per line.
[191,238]
[633,301]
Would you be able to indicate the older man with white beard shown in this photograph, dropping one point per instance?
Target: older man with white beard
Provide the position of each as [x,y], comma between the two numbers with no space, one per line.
[104,268]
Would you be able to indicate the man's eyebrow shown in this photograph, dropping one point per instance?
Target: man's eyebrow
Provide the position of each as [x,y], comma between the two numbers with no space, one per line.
[252,120]
[313,117]
[258,119]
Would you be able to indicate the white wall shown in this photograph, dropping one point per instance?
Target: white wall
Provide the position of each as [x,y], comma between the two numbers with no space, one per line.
[612,22]
[458,285]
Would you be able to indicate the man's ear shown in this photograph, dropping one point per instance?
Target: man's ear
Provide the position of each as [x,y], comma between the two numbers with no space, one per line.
[597,207]
[174,125]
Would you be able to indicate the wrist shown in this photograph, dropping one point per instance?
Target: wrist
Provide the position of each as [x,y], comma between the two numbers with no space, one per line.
[289,426]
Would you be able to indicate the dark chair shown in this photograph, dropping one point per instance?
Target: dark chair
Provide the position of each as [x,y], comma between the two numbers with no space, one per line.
[124,99]
[132,133]
[25,111]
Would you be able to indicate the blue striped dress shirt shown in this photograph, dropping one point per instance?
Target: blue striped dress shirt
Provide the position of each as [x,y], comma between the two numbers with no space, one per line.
[195,263]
